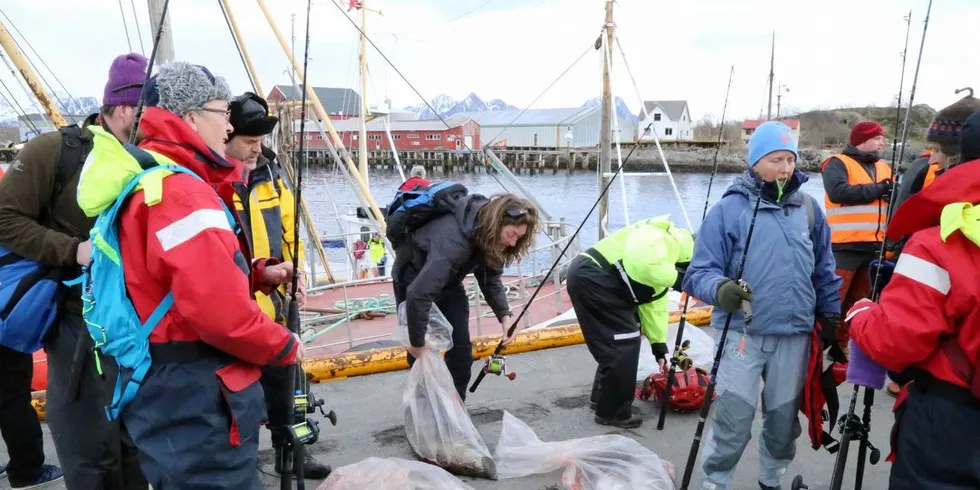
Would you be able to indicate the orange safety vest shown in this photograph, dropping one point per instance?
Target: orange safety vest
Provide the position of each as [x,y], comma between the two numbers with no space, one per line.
[858,223]
[931,175]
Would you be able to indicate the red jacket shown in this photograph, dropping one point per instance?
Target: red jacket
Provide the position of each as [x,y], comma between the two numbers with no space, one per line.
[184,244]
[934,292]
[412,182]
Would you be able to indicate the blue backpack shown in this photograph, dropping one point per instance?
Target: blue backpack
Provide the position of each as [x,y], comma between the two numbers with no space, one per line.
[109,314]
[414,208]
[31,296]
[30,300]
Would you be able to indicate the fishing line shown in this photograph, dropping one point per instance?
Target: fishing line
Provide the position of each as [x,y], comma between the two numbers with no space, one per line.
[527,304]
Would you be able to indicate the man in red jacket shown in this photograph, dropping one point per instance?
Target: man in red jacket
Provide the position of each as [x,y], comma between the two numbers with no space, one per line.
[927,321]
[196,416]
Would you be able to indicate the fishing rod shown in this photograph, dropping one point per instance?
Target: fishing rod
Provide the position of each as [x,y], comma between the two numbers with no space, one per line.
[149,70]
[850,426]
[302,402]
[676,359]
[747,314]
[496,363]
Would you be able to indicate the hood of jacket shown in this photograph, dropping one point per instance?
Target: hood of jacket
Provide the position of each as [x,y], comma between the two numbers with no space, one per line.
[924,209]
[863,157]
[110,166]
[168,134]
[748,182]
[466,214]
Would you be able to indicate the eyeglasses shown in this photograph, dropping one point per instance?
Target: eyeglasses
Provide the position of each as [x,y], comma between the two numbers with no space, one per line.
[226,112]
[515,212]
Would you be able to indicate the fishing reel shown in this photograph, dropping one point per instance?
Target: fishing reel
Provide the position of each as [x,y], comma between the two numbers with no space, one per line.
[497,364]
[680,358]
[308,431]
[860,432]
[798,484]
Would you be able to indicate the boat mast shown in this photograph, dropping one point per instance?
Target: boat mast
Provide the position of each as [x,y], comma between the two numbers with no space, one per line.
[605,129]
[8,45]
[362,148]
[165,48]
[772,63]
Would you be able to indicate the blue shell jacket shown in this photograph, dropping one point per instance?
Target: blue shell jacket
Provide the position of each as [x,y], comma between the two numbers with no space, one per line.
[789,266]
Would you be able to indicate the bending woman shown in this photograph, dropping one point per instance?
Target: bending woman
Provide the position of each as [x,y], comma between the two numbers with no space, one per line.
[481,236]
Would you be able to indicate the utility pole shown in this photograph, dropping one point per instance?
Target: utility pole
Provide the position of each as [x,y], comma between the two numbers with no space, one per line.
[605,129]
[165,49]
[772,64]
[8,44]
[779,98]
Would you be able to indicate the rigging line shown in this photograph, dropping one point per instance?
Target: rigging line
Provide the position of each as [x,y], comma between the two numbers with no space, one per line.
[656,138]
[18,109]
[508,126]
[125,25]
[238,47]
[43,79]
[139,34]
[478,7]
[402,75]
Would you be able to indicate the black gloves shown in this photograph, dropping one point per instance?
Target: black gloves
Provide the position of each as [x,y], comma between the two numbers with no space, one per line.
[659,351]
[829,322]
[885,189]
[681,271]
[730,295]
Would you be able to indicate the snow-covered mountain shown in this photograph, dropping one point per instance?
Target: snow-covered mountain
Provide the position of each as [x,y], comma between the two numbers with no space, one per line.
[67,105]
[446,106]
[621,108]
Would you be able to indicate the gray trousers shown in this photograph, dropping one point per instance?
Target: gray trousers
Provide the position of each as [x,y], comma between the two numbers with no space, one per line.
[94,453]
[780,363]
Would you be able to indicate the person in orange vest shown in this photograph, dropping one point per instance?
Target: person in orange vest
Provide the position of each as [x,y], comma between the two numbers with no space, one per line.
[944,136]
[857,184]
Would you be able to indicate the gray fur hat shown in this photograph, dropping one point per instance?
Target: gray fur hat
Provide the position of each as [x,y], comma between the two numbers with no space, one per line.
[183,87]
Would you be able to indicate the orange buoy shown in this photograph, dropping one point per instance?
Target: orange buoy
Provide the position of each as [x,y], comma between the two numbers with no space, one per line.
[39,382]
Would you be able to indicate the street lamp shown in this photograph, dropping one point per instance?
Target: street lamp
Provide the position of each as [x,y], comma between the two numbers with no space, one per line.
[779,97]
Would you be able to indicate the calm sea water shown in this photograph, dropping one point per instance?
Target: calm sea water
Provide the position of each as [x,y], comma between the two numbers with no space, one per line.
[562,195]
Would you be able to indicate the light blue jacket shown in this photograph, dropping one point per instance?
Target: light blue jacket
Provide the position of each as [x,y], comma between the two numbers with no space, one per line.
[790,266]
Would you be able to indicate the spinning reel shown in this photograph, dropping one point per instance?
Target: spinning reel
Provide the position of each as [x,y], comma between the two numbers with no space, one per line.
[497,364]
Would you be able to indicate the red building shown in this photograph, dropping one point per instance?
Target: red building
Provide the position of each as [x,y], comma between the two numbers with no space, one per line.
[426,135]
[340,103]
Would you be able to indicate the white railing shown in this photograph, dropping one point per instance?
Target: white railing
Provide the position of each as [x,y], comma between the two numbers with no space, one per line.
[518,291]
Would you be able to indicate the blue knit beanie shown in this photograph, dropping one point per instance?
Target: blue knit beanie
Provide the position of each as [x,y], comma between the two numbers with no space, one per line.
[769,137]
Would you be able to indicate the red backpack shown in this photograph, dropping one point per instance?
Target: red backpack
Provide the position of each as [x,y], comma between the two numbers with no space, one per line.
[686,393]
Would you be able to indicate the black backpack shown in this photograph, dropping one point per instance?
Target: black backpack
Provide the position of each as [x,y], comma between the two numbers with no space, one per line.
[414,208]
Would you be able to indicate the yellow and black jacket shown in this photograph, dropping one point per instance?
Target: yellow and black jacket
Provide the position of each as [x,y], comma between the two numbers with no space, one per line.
[269,215]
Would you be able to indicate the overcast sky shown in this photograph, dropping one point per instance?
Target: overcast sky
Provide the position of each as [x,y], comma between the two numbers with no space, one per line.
[829,53]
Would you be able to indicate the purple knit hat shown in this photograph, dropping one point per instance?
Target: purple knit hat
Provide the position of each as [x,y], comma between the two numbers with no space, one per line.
[125,83]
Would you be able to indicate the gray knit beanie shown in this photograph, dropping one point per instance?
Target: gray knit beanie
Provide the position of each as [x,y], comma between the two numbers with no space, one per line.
[184,87]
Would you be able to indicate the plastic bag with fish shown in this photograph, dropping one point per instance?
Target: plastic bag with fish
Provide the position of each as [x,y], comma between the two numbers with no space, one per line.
[391,474]
[436,423]
[606,462]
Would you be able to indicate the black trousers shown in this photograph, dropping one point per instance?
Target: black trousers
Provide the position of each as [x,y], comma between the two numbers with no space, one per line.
[19,424]
[456,308]
[937,444]
[608,318]
[94,453]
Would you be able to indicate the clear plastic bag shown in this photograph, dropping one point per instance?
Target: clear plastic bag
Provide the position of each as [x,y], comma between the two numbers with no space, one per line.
[438,335]
[606,462]
[391,474]
[436,423]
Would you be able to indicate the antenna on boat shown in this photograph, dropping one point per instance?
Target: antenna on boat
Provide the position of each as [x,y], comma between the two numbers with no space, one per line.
[149,71]
[291,454]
